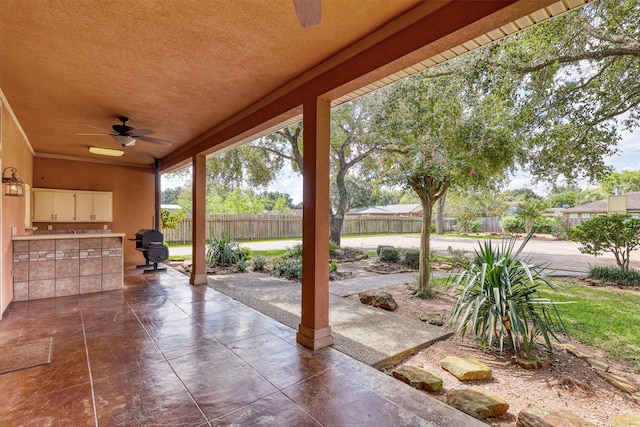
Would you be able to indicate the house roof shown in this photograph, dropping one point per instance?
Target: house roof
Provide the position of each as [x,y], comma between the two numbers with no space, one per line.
[387,209]
[208,75]
[633,204]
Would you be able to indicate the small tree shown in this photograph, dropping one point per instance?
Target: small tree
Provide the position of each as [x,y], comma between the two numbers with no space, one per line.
[617,233]
[170,221]
[529,211]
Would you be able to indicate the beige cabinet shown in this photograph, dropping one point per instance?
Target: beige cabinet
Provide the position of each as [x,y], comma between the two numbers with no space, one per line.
[93,206]
[53,205]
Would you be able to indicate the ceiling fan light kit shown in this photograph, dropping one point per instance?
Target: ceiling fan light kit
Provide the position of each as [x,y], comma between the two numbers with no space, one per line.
[125,140]
[106,151]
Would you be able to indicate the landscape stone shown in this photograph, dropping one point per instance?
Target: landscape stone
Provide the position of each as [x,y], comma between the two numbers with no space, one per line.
[630,419]
[465,369]
[535,416]
[477,403]
[572,350]
[636,397]
[597,365]
[432,318]
[418,378]
[619,382]
[532,363]
[382,300]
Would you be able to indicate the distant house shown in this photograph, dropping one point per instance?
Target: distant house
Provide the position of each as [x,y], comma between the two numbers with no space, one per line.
[623,203]
[171,207]
[412,209]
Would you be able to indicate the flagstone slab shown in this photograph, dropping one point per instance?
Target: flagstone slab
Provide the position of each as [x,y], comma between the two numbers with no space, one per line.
[466,369]
[419,378]
[478,403]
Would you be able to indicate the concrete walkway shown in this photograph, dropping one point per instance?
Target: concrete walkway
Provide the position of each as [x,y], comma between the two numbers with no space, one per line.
[373,336]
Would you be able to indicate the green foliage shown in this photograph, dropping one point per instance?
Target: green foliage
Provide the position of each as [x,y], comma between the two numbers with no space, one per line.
[616,275]
[521,194]
[334,249]
[259,263]
[626,181]
[171,221]
[389,254]
[601,318]
[294,252]
[458,256]
[381,247]
[498,298]
[333,267]
[467,225]
[289,268]
[411,258]
[225,251]
[530,211]
[617,233]
[511,224]
[543,224]
[237,202]
[560,229]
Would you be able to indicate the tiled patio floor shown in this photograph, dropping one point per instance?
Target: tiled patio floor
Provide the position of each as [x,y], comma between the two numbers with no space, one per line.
[162,352]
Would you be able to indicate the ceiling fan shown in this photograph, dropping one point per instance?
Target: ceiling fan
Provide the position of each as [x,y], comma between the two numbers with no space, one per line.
[126,135]
[309,12]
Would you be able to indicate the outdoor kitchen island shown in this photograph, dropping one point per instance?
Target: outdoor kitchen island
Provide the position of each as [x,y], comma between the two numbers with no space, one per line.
[56,265]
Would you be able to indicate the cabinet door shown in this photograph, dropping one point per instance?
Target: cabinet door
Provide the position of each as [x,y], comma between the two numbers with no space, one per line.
[44,206]
[102,207]
[84,207]
[65,206]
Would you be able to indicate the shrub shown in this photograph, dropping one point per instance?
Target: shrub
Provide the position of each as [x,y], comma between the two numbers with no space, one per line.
[225,251]
[389,254]
[617,233]
[290,268]
[433,228]
[381,247]
[334,249]
[294,252]
[348,252]
[560,229]
[458,256]
[333,267]
[411,258]
[511,224]
[241,265]
[259,263]
[467,226]
[543,224]
[616,274]
[498,298]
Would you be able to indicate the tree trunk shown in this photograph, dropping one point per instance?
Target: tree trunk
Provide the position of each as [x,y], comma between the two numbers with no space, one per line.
[424,272]
[440,215]
[337,218]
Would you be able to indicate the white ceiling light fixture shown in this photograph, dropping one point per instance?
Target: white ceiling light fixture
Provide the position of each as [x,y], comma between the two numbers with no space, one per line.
[125,140]
[106,151]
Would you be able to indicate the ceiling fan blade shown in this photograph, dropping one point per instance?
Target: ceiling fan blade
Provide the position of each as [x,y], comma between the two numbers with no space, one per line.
[140,132]
[309,12]
[93,134]
[95,127]
[154,140]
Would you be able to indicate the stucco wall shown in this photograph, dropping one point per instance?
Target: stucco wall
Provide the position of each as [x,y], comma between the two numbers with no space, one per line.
[132,188]
[14,152]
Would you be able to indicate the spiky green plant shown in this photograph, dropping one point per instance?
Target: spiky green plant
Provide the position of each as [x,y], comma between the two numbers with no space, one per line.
[224,251]
[498,298]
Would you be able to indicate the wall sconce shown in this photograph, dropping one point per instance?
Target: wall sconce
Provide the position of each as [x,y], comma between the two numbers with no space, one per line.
[13,186]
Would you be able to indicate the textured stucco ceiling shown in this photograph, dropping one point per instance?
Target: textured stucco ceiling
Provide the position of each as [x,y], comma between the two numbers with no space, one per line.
[178,67]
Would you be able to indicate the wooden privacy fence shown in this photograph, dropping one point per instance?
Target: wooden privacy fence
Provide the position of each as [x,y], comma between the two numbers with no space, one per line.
[257,227]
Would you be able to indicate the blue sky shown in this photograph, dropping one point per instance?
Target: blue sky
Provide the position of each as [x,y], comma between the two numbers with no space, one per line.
[629,157]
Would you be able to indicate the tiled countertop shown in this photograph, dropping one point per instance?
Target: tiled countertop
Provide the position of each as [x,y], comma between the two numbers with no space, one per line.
[67,236]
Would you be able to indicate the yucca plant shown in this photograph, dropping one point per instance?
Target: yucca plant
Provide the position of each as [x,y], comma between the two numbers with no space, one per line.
[224,251]
[498,299]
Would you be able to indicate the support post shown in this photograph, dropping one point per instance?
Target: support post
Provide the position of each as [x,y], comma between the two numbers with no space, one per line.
[314,331]
[198,224]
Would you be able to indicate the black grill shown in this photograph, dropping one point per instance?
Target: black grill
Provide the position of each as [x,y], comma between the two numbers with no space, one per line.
[150,243]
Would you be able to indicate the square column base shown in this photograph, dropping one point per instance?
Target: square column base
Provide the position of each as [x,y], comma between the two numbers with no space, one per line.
[314,339]
[198,279]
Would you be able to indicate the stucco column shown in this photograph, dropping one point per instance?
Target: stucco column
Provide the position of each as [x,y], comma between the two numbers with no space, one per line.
[314,331]
[198,221]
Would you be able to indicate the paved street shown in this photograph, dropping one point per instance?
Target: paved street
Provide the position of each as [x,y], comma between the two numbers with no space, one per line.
[562,257]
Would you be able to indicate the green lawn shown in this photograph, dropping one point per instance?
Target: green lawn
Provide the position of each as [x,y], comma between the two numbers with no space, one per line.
[608,319]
